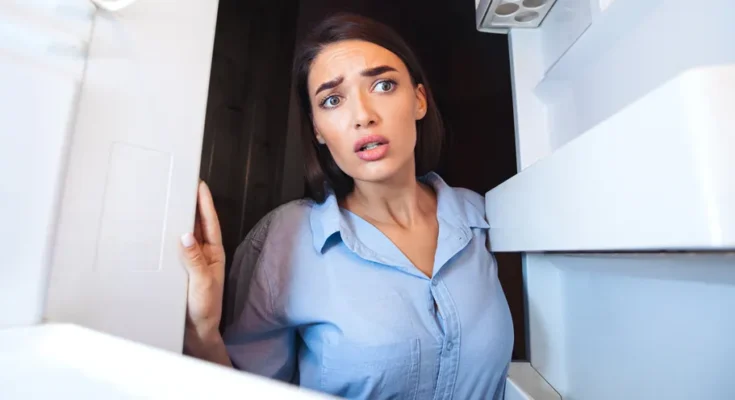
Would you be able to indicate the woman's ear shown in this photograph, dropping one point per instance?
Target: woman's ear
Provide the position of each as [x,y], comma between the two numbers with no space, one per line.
[421,104]
[319,137]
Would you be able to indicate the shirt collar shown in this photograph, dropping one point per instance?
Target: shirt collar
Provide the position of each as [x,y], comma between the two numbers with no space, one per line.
[326,219]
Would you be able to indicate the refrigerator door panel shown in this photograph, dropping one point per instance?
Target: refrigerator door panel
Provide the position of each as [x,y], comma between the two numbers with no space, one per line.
[130,189]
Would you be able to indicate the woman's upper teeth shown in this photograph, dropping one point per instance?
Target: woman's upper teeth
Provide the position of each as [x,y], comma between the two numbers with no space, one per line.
[370,145]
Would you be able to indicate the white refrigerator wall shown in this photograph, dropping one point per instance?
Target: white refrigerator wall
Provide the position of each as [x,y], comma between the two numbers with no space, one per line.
[648,327]
[625,326]
[633,326]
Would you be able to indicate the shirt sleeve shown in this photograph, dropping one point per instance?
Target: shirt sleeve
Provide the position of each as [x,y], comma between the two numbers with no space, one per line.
[256,336]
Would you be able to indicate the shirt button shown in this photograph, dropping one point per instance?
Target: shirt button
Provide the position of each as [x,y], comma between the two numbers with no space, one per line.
[434,282]
[450,345]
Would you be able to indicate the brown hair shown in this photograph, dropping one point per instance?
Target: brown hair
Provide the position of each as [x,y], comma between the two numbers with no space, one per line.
[322,173]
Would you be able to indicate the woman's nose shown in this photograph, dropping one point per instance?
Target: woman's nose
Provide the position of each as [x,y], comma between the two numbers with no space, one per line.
[364,114]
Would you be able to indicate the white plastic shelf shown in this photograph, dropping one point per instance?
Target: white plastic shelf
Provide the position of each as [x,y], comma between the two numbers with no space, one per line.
[70,362]
[597,62]
[525,383]
[657,175]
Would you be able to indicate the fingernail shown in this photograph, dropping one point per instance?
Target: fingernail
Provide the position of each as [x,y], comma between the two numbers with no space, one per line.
[187,240]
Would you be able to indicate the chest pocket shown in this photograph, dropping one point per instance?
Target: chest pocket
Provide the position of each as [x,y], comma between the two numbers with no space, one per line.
[371,372]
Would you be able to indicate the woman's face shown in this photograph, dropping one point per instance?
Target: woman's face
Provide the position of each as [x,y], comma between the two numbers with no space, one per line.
[365,109]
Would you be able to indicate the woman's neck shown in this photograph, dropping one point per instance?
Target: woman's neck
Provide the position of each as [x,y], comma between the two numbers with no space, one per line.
[401,201]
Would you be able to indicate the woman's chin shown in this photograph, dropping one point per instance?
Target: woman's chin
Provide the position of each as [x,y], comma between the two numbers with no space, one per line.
[380,171]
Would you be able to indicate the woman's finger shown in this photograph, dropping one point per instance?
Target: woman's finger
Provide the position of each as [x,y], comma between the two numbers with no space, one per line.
[198,227]
[193,256]
[208,216]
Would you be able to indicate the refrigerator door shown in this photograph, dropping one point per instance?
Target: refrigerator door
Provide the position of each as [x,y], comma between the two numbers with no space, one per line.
[42,56]
[130,185]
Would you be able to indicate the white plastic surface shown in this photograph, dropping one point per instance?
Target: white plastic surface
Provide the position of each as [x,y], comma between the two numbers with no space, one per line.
[525,383]
[39,88]
[639,326]
[563,27]
[130,191]
[547,343]
[533,52]
[70,362]
[532,140]
[633,326]
[113,5]
[657,175]
[51,33]
[653,42]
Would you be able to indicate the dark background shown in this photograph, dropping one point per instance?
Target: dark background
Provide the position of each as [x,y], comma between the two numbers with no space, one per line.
[251,150]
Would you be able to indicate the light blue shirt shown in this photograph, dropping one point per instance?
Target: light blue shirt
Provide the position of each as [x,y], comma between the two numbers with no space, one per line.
[334,305]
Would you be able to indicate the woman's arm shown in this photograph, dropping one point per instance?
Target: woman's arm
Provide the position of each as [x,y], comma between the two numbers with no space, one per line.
[209,348]
[256,338]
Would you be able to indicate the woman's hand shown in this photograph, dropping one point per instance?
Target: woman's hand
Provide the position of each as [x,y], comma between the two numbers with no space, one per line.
[204,257]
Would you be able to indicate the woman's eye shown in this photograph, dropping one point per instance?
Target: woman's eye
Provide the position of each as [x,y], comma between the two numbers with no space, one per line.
[385,86]
[331,102]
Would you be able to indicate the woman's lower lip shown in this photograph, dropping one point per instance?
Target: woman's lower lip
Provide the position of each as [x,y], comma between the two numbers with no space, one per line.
[373,154]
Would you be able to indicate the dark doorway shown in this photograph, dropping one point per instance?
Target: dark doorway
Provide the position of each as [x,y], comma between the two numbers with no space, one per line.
[251,154]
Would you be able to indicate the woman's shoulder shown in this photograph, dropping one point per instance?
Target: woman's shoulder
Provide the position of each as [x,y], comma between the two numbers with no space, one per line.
[283,222]
[268,249]
[470,206]
[295,209]
[278,234]
[465,199]
[470,198]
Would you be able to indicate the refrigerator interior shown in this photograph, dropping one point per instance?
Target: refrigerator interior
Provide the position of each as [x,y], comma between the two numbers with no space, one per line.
[624,203]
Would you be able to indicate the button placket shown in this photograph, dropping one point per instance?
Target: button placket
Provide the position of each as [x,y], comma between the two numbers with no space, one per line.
[450,349]
[436,326]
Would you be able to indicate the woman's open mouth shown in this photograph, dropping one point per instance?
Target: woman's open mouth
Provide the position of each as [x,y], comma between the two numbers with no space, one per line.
[371,148]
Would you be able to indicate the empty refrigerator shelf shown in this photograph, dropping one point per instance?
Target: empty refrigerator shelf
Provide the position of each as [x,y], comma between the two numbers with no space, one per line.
[657,175]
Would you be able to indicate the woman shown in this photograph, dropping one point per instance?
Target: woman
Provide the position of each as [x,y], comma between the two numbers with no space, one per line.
[381,285]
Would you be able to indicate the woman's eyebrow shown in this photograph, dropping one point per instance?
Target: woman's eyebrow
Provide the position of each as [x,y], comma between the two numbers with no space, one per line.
[330,84]
[377,70]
